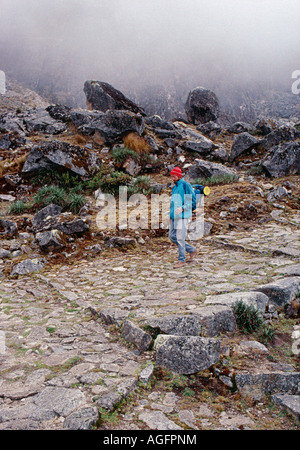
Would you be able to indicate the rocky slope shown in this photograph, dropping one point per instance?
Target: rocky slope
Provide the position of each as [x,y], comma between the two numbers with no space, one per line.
[99,320]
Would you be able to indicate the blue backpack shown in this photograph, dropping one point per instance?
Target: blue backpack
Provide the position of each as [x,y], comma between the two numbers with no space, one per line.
[199,190]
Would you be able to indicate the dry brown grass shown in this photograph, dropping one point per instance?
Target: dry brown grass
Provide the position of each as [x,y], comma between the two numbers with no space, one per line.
[136,143]
[14,166]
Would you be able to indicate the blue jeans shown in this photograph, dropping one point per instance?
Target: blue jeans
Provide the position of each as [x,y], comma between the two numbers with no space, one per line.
[177,234]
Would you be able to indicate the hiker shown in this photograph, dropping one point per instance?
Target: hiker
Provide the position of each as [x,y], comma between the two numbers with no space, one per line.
[183,201]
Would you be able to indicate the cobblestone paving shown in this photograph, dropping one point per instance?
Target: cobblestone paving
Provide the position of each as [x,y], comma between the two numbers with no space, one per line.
[59,359]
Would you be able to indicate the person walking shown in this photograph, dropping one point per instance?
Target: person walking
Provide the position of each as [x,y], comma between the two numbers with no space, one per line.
[183,201]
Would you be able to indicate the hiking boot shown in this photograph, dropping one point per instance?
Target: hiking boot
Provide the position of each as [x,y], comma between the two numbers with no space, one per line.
[193,254]
[179,264]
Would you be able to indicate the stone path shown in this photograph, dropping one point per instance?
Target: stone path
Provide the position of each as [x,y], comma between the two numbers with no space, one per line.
[61,363]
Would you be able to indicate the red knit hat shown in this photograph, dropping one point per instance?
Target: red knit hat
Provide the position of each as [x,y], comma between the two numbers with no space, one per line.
[176,171]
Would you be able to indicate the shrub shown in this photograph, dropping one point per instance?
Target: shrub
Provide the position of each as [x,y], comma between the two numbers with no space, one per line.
[110,183]
[121,154]
[141,185]
[247,317]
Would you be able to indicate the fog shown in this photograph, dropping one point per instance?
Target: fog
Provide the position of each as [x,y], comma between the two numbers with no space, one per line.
[225,45]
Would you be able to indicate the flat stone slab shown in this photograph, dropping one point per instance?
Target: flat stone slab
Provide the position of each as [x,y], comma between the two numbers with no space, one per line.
[257,299]
[186,354]
[135,335]
[289,402]
[204,321]
[257,385]
[281,292]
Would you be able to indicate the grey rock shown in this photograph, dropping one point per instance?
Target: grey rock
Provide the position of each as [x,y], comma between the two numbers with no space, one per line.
[66,222]
[242,143]
[28,266]
[281,292]
[185,325]
[205,321]
[135,335]
[200,145]
[12,140]
[126,387]
[207,169]
[262,127]
[215,320]
[109,401]
[157,420]
[9,228]
[112,125]
[279,136]
[112,316]
[167,134]
[58,401]
[40,217]
[290,403]
[83,419]
[284,160]
[201,106]
[186,354]
[258,300]
[290,270]
[157,122]
[4,253]
[146,374]
[102,96]
[239,127]
[118,241]
[40,121]
[210,129]
[51,240]
[59,112]
[57,154]
[256,385]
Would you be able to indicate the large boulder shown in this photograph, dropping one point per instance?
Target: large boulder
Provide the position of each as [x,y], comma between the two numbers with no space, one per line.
[61,155]
[65,222]
[205,321]
[202,106]
[40,121]
[186,354]
[242,143]
[207,169]
[51,240]
[110,126]
[102,97]
[39,220]
[284,160]
[282,291]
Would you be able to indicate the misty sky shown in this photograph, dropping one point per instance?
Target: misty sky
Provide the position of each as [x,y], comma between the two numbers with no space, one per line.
[152,41]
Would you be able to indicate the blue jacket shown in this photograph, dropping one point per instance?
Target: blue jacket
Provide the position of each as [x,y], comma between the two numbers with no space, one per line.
[183,195]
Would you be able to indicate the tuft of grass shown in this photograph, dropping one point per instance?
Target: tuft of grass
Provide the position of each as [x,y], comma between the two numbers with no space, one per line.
[75,202]
[19,207]
[50,194]
[216,179]
[69,201]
